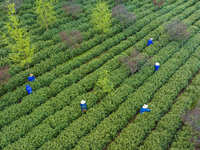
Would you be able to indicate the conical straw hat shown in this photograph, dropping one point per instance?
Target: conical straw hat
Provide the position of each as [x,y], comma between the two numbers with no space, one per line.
[82,102]
[145,106]
[31,75]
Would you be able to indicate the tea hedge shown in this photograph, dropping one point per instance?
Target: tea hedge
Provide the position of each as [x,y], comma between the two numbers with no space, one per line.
[73,129]
[48,34]
[132,135]
[57,114]
[60,84]
[166,128]
[14,116]
[181,140]
[139,132]
[7,99]
[58,59]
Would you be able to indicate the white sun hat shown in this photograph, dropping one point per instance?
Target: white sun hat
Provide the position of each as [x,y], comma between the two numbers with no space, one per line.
[145,106]
[151,38]
[82,102]
[157,64]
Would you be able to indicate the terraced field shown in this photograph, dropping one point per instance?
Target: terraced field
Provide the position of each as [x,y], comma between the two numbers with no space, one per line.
[51,118]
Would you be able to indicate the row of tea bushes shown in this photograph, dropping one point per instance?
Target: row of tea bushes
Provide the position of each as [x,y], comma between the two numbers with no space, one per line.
[70,65]
[64,96]
[161,137]
[23,75]
[134,133]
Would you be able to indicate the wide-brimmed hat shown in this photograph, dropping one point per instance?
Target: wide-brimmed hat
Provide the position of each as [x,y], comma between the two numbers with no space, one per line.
[31,75]
[157,64]
[151,38]
[145,106]
[82,102]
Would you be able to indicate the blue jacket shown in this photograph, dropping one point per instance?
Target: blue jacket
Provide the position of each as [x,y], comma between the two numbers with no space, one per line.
[83,106]
[28,89]
[144,109]
[156,67]
[150,42]
[31,79]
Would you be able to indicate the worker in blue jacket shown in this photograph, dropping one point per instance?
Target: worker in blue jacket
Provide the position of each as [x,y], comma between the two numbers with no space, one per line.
[31,78]
[150,41]
[144,108]
[29,89]
[83,106]
[157,65]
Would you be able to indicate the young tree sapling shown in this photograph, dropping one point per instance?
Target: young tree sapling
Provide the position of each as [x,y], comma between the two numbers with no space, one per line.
[71,39]
[159,4]
[104,83]
[72,9]
[192,118]
[136,60]
[120,13]
[176,30]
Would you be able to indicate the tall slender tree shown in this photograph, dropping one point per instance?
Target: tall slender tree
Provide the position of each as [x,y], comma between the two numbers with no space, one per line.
[45,11]
[101,17]
[18,40]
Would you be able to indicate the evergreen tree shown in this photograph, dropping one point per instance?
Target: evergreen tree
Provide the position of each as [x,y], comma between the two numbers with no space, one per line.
[18,40]
[45,11]
[18,4]
[101,17]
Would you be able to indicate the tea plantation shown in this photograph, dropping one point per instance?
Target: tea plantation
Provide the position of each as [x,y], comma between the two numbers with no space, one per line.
[51,118]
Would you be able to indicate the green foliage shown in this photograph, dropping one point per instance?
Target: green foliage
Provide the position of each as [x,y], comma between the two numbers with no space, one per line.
[181,141]
[177,30]
[101,17]
[50,63]
[83,71]
[45,11]
[18,40]
[18,4]
[104,83]
[194,104]
[62,119]
[120,119]
[136,60]
[172,121]
[160,104]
